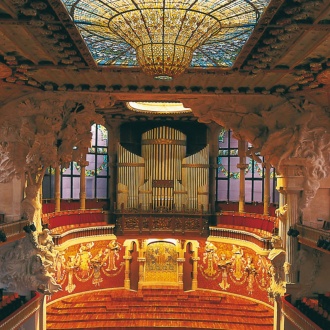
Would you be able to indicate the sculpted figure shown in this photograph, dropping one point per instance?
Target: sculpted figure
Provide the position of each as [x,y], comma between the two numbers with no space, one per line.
[277,258]
[281,212]
[26,266]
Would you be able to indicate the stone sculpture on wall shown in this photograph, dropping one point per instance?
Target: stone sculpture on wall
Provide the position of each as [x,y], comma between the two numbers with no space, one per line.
[35,133]
[28,265]
[277,269]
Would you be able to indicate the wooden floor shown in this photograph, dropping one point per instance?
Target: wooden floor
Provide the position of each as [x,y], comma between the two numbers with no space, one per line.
[155,308]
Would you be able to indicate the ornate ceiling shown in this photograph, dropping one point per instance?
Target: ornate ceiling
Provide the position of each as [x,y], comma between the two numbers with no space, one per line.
[287,55]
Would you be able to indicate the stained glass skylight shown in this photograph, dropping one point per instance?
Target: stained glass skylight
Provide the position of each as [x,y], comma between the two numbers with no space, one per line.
[159,33]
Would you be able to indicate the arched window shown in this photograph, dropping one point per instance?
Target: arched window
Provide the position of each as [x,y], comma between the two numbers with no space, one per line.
[228,174]
[97,174]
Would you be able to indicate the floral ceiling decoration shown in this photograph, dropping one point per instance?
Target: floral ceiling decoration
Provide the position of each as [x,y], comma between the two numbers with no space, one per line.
[165,37]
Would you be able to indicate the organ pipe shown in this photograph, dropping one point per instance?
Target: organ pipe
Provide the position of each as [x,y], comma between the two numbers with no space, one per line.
[163,177]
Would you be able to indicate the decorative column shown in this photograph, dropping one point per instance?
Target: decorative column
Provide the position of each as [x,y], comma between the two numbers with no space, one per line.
[213,142]
[57,193]
[277,287]
[141,262]
[180,262]
[266,188]
[290,182]
[194,284]
[42,313]
[82,194]
[113,127]
[127,281]
[242,167]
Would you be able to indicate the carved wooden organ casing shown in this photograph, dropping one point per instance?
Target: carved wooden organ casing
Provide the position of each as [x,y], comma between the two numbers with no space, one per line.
[163,178]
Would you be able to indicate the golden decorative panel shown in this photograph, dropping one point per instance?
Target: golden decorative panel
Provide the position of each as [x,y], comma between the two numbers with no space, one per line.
[161,262]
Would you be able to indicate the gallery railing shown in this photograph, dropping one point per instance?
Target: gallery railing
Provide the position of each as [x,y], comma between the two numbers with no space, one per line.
[161,221]
[262,242]
[26,311]
[296,317]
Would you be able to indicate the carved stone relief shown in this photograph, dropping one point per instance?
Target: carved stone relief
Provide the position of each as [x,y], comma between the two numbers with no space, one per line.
[28,265]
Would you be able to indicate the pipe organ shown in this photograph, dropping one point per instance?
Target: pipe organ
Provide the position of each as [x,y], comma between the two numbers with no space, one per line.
[163,178]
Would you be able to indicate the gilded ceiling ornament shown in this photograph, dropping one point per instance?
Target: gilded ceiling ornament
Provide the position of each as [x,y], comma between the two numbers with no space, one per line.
[324,77]
[5,71]
[165,37]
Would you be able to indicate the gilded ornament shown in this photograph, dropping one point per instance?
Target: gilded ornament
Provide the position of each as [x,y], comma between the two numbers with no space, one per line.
[5,71]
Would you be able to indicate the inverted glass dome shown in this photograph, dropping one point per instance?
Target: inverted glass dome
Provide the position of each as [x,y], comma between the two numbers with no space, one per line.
[164,37]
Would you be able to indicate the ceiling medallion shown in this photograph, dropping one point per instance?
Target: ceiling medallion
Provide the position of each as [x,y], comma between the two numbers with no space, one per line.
[159,108]
[166,36]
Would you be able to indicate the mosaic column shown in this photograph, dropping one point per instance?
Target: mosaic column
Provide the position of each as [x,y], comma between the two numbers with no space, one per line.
[57,193]
[281,216]
[266,188]
[82,194]
[127,281]
[242,167]
[141,262]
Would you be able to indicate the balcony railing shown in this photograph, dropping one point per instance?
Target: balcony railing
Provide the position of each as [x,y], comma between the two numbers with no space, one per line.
[296,317]
[242,235]
[310,236]
[17,318]
[13,228]
[90,230]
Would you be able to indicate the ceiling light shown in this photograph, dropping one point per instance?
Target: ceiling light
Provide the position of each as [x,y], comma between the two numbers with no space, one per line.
[166,34]
[159,108]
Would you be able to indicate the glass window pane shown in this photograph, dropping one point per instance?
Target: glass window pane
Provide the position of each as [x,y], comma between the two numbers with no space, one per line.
[222,188]
[102,136]
[75,169]
[257,191]
[66,187]
[233,190]
[102,184]
[76,188]
[90,184]
[248,191]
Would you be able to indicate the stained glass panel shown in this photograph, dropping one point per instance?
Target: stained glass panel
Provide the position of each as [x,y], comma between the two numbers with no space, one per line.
[214,30]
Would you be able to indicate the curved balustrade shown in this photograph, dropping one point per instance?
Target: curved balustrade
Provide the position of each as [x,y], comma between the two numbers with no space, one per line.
[296,317]
[73,217]
[48,206]
[248,220]
[18,317]
[90,230]
[262,242]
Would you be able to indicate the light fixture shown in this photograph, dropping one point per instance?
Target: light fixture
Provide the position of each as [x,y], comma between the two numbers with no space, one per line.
[158,108]
[165,34]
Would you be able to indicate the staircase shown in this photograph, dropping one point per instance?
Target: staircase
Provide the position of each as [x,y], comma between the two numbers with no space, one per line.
[158,308]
